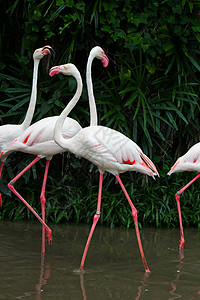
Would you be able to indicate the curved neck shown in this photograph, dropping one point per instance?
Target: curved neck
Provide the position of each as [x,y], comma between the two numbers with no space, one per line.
[58,137]
[92,104]
[31,108]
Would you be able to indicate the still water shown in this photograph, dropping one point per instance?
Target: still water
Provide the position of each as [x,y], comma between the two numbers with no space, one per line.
[113,267]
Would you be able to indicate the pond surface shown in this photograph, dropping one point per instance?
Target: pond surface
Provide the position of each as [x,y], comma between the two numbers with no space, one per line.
[113,267]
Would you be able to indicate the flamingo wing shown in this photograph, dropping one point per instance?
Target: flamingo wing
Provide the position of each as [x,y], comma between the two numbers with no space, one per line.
[109,146]
[42,131]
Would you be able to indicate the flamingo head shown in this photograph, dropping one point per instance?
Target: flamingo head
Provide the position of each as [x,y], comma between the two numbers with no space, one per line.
[67,69]
[100,54]
[41,52]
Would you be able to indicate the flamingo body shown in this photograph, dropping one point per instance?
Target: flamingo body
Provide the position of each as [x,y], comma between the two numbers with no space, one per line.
[111,151]
[38,140]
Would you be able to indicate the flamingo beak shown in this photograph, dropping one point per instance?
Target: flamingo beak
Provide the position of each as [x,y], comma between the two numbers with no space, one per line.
[105,60]
[48,50]
[53,71]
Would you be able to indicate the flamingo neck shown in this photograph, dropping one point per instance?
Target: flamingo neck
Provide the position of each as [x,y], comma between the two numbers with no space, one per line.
[58,137]
[92,104]
[31,108]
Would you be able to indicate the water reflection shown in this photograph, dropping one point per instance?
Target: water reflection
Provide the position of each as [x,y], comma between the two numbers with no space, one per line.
[143,287]
[83,286]
[113,270]
[44,276]
[174,282]
[44,273]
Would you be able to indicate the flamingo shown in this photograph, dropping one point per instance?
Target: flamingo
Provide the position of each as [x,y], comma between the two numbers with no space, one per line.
[38,139]
[9,132]
[190,161]
[109,150]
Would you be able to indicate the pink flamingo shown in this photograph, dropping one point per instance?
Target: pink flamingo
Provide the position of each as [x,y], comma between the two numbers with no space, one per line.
[38,139]
[188,162]
[110,151]
[10,131]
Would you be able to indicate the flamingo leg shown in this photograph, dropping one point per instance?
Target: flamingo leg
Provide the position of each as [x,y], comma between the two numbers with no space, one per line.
[177,196]
[43,201]
[42,195]
[11,187]
[95,220]
[1,168]
[134,214]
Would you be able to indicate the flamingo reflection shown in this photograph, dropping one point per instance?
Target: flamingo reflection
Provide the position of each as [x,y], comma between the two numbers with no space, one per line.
[173,284]
[143,286]
[44,273]
[44,276]
[82,286]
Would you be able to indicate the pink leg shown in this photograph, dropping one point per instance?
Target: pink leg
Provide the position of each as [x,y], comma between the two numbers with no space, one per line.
[11,187]
[42,196]
[1,168]
[95,220]
[43,200]
[134,214]
[177,196]
[182,240]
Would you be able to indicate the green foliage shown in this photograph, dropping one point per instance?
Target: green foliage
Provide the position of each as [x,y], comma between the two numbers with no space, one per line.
[149,92]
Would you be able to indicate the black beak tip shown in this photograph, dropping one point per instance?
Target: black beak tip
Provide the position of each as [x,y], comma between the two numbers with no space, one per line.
[51,50]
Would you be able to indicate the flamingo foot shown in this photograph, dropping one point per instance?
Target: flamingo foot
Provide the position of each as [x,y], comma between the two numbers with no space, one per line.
[147,269]
[182,242]
[1,202]
[81,268]
[49,235]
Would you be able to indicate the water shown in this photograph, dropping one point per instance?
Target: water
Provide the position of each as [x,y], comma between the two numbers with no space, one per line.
[113,268]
